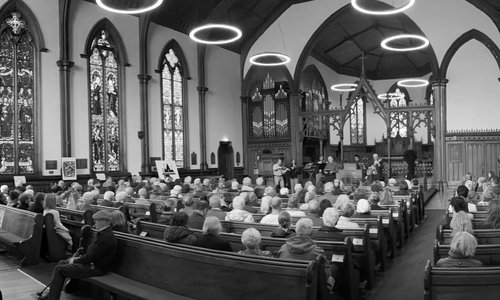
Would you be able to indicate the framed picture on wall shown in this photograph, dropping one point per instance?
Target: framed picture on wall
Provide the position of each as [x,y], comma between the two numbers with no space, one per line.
[68,168]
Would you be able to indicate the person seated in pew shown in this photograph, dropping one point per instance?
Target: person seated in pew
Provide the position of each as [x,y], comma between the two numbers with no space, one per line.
[259,187]
[270,191]
[210,239]
[338,187]
[265,205]
[328,195]
[95,262]
[293,205]
[481,181]
[118,221]
[238,213]
[495,185]
[188,202]
[458,204]
[363,208]
[463,191]
[462,249]
[328,232]
[354,186]
[235,187]
[120,198]
[215,208]
[346,210]
[285,226]
[109,199]
[313,213]
[248,206]
[284,193]
[492,221]
[251,238]
[310,195]
[246,185]
[88,199]
[386,197]
[72,199]
[197,219]
[272,218]
[49,207]
[461,222]
[302,247]
[403,189]
[324,204]
[24,201]
[374,200]
[178,232]
[37,205]
[130,191]
[143,197]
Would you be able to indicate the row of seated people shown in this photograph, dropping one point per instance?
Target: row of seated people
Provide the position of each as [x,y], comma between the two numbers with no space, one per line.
[484,189]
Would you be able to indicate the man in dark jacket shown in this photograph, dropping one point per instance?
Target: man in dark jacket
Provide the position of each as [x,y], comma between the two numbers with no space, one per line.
[95,262]
[177,232]
[197,219]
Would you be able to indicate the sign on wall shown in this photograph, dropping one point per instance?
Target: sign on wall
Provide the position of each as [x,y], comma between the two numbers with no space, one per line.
[167,168]
[68,168]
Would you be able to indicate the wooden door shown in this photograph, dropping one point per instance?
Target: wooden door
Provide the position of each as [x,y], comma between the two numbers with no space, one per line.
[492,153]
[475,158]
[455,155]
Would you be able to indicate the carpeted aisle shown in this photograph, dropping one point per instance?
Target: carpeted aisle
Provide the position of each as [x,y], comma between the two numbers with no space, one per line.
[404,279]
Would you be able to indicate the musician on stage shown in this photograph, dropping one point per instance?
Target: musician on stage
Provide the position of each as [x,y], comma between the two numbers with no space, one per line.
[331,169]
[360,165]
[321,168]
[293,173]
[378,168]
[278,171]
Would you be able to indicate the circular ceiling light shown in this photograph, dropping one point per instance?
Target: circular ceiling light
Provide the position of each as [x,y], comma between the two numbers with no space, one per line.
[395,10]
[413,83]
[269,59]
[390,96]
[424,40]
[154,4]
[344,87]
[215,29]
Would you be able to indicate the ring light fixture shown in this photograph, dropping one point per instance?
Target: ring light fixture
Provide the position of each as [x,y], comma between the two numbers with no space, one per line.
[129,11]
[395,10]
[237,34]
[424,40]
[344,87]
[284,59]
[413,83]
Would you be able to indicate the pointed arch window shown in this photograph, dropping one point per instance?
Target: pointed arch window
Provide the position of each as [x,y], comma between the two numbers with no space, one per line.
[399,120]
[18,75]
[105,103]
[358,136]
[173,104]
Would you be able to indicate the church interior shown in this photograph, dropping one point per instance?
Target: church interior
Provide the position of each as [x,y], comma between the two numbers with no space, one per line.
[369,98]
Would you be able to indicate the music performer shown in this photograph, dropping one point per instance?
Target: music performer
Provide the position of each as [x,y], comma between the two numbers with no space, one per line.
[278,171]
[293,174]
[321,168]
[360,165]
[95,262]
[378,168]
[331,169]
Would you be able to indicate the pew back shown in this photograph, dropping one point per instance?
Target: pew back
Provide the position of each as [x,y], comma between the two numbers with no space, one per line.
[487,254]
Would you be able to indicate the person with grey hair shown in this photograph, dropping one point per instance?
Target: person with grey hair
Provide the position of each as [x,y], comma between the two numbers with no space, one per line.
[251,238]
[215,208]
[188,201]
[246,184]
[248,206]
[143,196]
[210,239]
[88,199]
[346,210]
[270,191]
[265,204]
[374,200]
[120,198]
[272,218]
[293,207]
[109,199]
[462,250]
[328,231]
[239,214]
[259,187]
[328,195]
[313,213]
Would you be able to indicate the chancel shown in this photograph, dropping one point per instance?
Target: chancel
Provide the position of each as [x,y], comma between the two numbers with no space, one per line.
[197,137]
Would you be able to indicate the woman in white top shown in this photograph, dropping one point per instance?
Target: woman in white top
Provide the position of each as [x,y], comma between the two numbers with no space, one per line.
[49,207]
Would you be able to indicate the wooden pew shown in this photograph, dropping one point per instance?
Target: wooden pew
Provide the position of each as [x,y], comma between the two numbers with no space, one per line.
[143,211]
[376,232]
[340,254]
[484,236]
[21,233]
[488,254]
[76,216]
[214,274]
[461,283]
[389,227]
[397,216]
[408,214]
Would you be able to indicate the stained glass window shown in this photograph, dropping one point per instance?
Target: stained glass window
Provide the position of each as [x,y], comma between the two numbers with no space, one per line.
[399,120]
[358,122]
[105,104]
[172,96]
[17,86]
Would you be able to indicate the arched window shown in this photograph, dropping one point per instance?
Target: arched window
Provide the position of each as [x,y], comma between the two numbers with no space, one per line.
[105,103]
[358,122]
[398,97]
[18,93]
[173,104]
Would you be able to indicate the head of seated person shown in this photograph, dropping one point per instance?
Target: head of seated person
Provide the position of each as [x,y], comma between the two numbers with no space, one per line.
[461,222]
[313,208]
[270,191]
[201,207]
[212,226]
[324,204]
[297,187]
[214,202]
[185,189]
[344,206]
[118,221]
[310,196]
[251,238]
[179,219]
[276,205]
[259,181]
[102,219]
[285,220]
[363,207]
[458,204]
[234,185]
[403,186]
[301,196]
[238,203]
[110,196]
[329,186]
[360,194]
[265,204]
[330,217]
[462,250]
[284,192]
[247,181]
[143,193]
[376,187]
[463,191]
[187,200]
[304,227]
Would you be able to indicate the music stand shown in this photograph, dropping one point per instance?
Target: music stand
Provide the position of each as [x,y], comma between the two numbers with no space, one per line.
[309,170]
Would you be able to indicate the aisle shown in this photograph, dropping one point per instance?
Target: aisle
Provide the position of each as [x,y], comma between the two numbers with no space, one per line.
[404,279]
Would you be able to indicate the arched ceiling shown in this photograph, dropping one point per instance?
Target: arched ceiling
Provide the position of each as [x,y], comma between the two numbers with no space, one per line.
[349,34]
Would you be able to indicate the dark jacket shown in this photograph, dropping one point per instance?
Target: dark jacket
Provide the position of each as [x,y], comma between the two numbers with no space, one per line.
[179,234]
[36,207]
[101,252]
[106,203]
[259,191]
[216,212]
[212,241]
[282,233]
[457,260]
[317,221]
[300,247]
[328,233]
[250,209]
[376,207]
[196,221]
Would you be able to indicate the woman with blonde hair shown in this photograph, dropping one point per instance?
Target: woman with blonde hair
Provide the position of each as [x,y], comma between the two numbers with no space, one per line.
[49,207]
[461,222]
[264,204]
[462,250]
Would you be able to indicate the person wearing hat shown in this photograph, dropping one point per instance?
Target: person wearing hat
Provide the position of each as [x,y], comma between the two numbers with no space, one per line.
[95,262]
[362,209]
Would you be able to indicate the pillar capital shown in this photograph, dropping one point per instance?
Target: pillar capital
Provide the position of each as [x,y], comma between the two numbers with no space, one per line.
[65,64]
[439,82]
[144,78]
[202,89]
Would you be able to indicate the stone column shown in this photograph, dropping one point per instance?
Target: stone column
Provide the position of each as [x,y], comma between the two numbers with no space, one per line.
[202,91]
[64,90]
[439,92]
[144,136]
[295,100]
[244,118]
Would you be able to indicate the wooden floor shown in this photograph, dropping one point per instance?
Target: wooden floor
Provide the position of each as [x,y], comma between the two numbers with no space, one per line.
[23,283]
